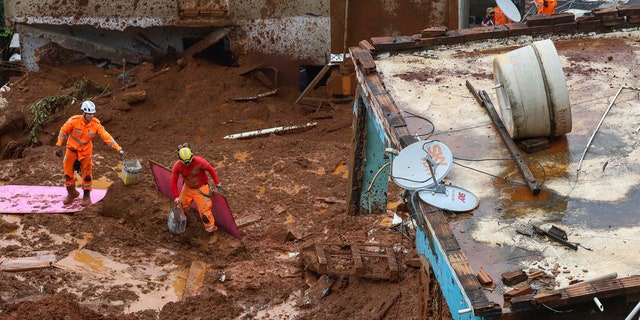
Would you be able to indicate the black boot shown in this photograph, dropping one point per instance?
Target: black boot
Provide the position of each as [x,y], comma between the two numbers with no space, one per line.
[86,198]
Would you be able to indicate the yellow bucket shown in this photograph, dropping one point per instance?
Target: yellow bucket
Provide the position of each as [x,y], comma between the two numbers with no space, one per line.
[130,171]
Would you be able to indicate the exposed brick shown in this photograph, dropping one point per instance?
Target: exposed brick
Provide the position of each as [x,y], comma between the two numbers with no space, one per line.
[629,10]
[434,32]
[392,43]
[525,290]
[430,42]
[561,18]
[588,25]
[565,27]
[635,19]
[516,29]
[483,33]
[606,13]
[540,30]
[539,20]
[366,45]
[615,22]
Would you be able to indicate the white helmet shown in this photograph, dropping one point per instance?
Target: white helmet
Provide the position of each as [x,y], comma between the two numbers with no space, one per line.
[88,107]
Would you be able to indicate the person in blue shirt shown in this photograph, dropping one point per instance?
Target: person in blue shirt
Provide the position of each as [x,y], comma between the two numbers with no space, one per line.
[487,21]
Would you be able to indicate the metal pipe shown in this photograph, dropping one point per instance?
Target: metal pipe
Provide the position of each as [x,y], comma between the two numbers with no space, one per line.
[633,312]
[600,123]
[597,301]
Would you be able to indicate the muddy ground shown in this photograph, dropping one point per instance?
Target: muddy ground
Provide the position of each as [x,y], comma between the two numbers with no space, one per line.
[295,183]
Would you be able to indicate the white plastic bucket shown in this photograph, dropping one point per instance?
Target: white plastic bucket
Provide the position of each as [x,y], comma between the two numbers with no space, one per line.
[130,171]
[532,92]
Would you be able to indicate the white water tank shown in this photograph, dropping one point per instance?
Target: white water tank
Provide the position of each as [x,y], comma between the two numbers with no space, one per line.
[532,92]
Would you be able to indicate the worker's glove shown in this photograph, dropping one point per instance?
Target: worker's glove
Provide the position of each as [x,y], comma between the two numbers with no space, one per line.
[177,202]
[121,153]
[545,3]
[221,188]
[59,151]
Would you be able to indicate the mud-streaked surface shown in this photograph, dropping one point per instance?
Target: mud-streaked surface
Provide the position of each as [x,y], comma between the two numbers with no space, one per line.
[596,205]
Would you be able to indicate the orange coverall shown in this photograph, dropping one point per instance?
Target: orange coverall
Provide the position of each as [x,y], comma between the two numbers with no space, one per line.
[80,147]
[499,17]
[196,188]
[550,8]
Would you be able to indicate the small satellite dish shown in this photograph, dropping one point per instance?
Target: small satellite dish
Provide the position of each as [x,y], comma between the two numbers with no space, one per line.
[509,9]
[453,198]
[410,169]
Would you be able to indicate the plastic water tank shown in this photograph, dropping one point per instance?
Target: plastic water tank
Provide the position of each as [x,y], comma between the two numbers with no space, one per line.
[532,92]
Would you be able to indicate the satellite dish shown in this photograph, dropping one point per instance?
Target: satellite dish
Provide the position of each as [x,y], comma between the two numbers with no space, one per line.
[450,198]
[509,9]
[410,169]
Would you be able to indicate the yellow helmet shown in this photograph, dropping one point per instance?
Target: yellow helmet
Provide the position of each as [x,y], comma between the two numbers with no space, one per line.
[185,155]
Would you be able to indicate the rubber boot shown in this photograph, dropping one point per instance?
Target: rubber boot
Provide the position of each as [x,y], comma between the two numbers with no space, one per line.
[86,198]
[213,237]
[72,194]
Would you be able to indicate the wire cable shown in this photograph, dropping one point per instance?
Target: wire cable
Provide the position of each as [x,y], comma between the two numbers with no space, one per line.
[544,173]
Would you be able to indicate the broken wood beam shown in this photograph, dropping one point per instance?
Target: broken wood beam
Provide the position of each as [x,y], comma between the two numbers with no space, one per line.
[483,98]
[315,81]
[206,42]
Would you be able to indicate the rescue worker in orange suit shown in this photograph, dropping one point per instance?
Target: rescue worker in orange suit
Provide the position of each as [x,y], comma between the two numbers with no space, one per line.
[80,131]
[546,6]
[196,188]
[499,17]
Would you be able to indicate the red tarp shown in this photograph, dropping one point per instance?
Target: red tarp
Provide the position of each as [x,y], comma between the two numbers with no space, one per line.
[221,212]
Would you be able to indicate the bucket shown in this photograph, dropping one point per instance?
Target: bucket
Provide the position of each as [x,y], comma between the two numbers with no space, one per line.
[532,92]
[130,171]
[177,221]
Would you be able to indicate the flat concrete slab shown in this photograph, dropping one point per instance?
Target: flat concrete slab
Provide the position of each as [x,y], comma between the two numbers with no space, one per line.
[596,205]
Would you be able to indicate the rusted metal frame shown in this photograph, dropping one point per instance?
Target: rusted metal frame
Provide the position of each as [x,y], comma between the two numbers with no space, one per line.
[483,98]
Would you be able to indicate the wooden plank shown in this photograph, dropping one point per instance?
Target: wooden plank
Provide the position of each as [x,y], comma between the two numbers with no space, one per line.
[208,41]
[41,259]
[315,81]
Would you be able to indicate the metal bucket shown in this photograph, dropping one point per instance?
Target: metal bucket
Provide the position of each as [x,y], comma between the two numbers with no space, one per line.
[177,221]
